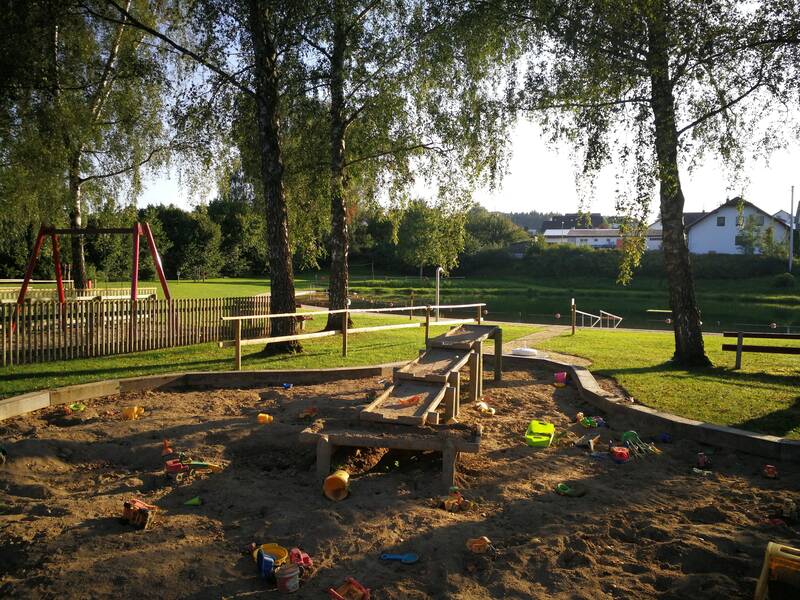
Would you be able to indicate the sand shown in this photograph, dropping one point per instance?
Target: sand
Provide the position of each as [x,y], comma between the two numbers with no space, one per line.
[649,528]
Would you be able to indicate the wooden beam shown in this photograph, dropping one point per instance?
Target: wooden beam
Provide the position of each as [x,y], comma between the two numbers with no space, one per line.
[764,349]
[385,327]
[762,335]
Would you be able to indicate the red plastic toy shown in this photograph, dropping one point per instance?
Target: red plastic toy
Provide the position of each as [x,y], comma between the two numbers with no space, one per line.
[349,590]
[300,558]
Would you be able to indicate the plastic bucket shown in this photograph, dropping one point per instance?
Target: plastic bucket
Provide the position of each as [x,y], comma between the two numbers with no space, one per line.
[561,378]
[335,486]
[288,578]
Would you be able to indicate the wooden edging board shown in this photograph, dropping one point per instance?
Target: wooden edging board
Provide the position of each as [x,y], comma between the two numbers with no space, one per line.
[644,417]
[25,403]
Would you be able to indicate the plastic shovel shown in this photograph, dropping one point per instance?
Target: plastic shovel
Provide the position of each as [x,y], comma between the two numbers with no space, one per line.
[407,559]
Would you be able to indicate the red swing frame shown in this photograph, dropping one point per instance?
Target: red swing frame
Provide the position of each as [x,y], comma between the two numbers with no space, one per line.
[136,231]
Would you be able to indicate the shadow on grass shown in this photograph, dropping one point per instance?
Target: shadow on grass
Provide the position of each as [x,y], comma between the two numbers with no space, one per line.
[778,422]
[719,373]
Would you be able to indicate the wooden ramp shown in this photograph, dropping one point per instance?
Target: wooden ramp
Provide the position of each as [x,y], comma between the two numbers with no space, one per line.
[408,402]
[434,365]
[464,337]
[421,385]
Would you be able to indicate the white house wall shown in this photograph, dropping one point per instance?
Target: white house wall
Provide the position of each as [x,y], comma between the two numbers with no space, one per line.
[705,236]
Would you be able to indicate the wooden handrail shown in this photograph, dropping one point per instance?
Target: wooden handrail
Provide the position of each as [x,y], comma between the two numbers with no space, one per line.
[238,342]
[353,311]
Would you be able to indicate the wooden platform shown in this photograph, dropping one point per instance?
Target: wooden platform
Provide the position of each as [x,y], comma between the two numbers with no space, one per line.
[389,406]
[464,337]
[447,440]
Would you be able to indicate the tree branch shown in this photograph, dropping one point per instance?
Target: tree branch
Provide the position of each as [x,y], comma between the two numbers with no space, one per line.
[127,169]
[394,151]
[722,108]
[133,21]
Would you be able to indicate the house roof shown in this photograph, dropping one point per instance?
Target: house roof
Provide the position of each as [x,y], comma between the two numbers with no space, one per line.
[733,202]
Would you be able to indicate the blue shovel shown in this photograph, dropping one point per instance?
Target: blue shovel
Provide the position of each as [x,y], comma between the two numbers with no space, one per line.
[409,558]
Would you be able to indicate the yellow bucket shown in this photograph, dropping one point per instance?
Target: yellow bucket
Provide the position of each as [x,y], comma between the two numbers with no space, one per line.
[335,486]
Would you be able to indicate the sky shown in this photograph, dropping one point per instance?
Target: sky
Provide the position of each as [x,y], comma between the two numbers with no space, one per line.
[542,177]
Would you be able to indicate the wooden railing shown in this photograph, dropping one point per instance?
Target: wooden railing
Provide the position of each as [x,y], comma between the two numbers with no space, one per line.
[739,347]
[239,339]
[48,331]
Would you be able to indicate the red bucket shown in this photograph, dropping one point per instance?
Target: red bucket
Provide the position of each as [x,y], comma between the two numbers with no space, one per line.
[288,578]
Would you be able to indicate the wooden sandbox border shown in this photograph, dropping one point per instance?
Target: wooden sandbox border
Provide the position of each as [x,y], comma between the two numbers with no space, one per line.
[197,380]
[768,446]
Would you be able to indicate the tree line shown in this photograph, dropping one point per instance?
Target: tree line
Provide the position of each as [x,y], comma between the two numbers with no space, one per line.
[337,107]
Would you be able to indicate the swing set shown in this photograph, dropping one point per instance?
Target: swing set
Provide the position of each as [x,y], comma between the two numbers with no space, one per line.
[136,231]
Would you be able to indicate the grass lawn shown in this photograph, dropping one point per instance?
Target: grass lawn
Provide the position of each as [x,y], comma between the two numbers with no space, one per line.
[363,349]
[763,396]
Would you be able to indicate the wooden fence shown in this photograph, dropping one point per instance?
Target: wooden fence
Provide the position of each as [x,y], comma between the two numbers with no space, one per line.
[240,332]
[46,331]
[10,294]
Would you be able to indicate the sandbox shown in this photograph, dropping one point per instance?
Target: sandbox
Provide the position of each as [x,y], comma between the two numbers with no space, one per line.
[648,528]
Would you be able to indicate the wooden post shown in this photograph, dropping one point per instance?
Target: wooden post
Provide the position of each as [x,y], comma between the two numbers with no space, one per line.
[449,458]
[238,352]
[573,315]
[427,324]
[739,341]
[324,452]
[450,403]
[411,312]
[344,334]
[473,376]
[479,319]
[498,355]
[479,349]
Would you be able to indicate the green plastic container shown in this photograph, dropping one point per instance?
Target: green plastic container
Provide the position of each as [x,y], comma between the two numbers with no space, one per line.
[540,434]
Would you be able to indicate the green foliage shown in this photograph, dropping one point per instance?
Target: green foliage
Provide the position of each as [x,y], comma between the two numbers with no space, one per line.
[202,256]
[242,226]
[488,230]
[784,281]
[430,236]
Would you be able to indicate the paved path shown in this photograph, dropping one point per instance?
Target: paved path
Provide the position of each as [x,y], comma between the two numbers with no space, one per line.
[549,331]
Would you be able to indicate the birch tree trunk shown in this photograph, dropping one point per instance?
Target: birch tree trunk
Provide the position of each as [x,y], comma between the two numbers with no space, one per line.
[79,277]
[282,292]
[339,245]
[689,348]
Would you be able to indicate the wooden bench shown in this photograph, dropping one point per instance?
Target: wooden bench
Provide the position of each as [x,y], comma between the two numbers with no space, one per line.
[740,346]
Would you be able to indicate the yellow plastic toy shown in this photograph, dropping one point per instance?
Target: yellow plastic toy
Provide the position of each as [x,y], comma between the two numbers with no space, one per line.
[781,570]
[335,486]
[278,553]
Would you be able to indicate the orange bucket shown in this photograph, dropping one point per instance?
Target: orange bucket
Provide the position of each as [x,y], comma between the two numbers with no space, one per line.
[335,486]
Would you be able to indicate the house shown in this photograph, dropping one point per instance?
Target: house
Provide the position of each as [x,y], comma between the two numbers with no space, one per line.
[597,238]
[718,231]
[783,215]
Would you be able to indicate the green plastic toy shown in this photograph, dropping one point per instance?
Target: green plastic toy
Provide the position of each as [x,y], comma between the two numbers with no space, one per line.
[540,434]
